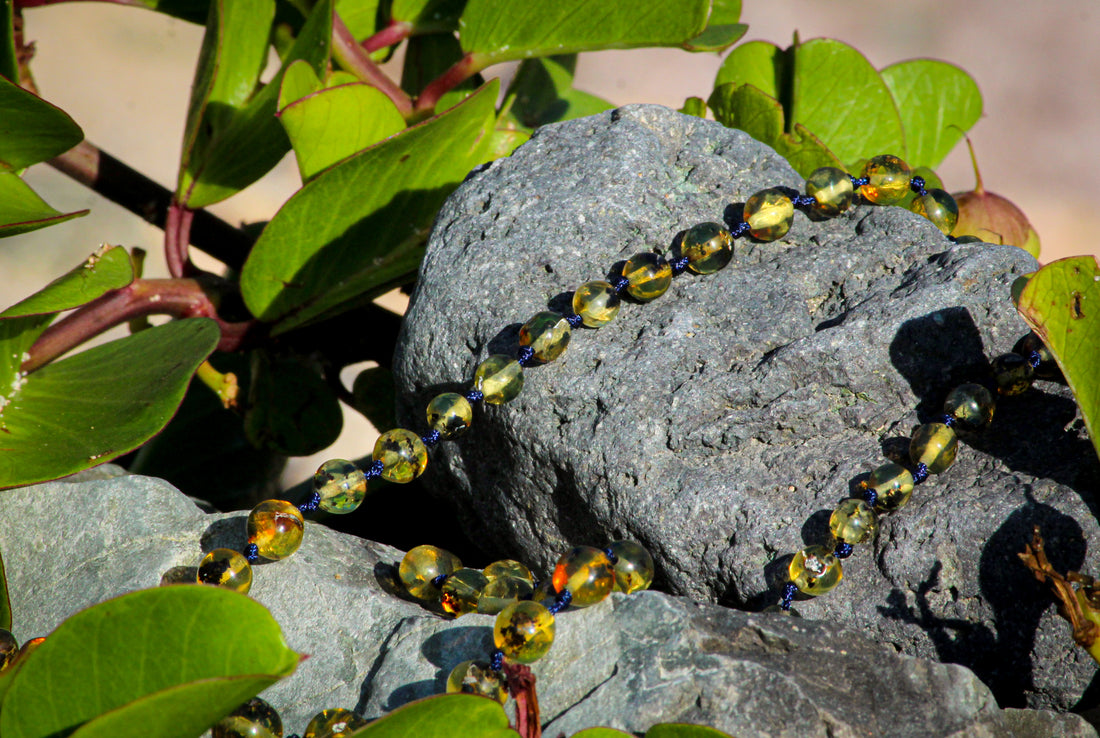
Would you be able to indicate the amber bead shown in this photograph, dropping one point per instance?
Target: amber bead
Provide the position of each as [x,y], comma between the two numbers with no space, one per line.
[276,527]
[402,454]
[853,521]
[769,214]
[708,247]
[503,591]
[224,567]
[934,445]
[341,486]
[648,276]
[508,568]
[893,485]
[1012,374]
[499,378]
[546,334]
[971,405]
[475,677]
[8,648]
[461,590]
[335,723]
[832,190]
[596,302]
[814,570]
[450,414]
[633,566]
[524,631]
[1048,365]
[888,180]
[421,565]
[253,719]
[587,573]
[938,207]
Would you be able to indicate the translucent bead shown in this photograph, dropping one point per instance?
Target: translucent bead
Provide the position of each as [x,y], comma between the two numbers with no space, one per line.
[475,677]
[971,405]
[461,591]
[1012,374]
[893,484]
[335,723]
[708,247]
[939,207]
[832,189]
[596,302]
[1048,365]
[224,567]
[853,521]
[769,214]
[524,631]
[648,276]
[633,566]
[402,454]
[450,414]
[508,568]
[9,647]
[253,719]
[503,591]
[814,570]
[547,334]
[587,573]
[276,527]
[889,180]
[423,564]
[934,445]
[341,486]
[499,378]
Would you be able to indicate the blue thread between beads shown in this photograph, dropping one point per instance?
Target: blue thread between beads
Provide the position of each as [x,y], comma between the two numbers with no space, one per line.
[1034,359]
[438,581]
[916,184]
[620,284]
[252,553]
[679,266]
[843,550]
[611,556]
[948,420]
[374,470]
[741,229]
[920,473]
[803,201]
[788,595]
[310,503]
[496,660]
[870,496]
[858,182]
[561,602]
[432,438]
[575,321]
[526,356]
[475,395]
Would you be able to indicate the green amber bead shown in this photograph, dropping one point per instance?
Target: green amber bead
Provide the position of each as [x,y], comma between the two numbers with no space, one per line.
[402,454]
[596,302]
[1048,366]
[832,190]
[503,591]
[934,445]
[547,334]
[633,566]
[508,568]
[9,647]
[335,723]
[648,276]
[708,247]
[475,677]
[499,378]
[939,207]
[224,567]
[341,485]
[587,573]
[461,590]
[888,180]
[276,527]
[524,631]
[893,485]
[853,521]
[450,413]
[423,564]
[1012,374]
[971,405]
[814,570]
[253,719]
[769,214]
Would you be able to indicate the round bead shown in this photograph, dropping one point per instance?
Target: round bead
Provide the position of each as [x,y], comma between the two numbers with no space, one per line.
[769,214]
[587,573]
[814,570]
[524,631]
[9,647]
[423,564]
[503,591]
[633,566]
[253,719]
[224,567]
[893,484]
[547,334]
[596,302]
[831,188]
[335,723]
[475,677]
[939,207]
[971,405]
[450,413]
[508,568]
[888,180]
[934,445]
[708,247]
[1012,374]
[1048,365]
[648,276]
[276,527]
[853,522]
[341,486]
[402,454]
[499,378]
[461,591]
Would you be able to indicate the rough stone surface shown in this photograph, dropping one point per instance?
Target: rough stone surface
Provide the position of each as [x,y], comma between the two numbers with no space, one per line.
[628,662]
[720,424]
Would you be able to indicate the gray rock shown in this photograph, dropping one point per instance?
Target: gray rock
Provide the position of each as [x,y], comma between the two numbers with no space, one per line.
[720,424]
[628,662]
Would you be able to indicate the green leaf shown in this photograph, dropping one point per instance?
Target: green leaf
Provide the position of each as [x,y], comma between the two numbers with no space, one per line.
[696,106]
[722,29]
[683,730]
[22,210]
[443,716]
[428,16]
[31,129]
[99,404]
[9,62]
[1061,303]
[601,733]
[359,227]
[427,57]
[360,16]
[108,269]
[542,92]
[5,601]
[161,662]
[299,80]
[291,409]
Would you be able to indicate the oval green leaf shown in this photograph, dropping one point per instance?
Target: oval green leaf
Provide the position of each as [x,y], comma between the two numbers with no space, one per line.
[31,129]
[107,269]
[167,662]
[360,16]
[22,210]
[291,409]
[601,733]
[683,730]
[428,16]
[542,92]
[443,716]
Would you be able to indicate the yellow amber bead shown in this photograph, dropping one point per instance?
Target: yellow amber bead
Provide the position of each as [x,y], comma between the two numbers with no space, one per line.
[596,302]
[853,521]
[276,527]
[814,570]
[587,573]
[508,568]
[461,591]
[421,565]
[547,334]
[9,647]
[253,719]
[1048,365]
[939,207]
[893,484]
[648,276]
[889,180]
[633,566]
[402,454]
[524,631]
[224,567]
[450,414]
[832,190]
[336,723]
[341,486]
[935,446]
[503,591]
[971,405]
[499,378]
[769,214]
[475,677]
[1012,374]
[708,247]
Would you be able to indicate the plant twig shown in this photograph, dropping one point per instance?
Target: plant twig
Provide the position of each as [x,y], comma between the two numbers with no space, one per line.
[354,59]
[460,71]
[391,35]
[177,239]
[521,685]
[224,385]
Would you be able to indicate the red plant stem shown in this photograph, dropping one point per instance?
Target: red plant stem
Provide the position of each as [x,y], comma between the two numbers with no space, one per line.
[391,35]
[177,239]
[460,71]
[521,685]
[353,58]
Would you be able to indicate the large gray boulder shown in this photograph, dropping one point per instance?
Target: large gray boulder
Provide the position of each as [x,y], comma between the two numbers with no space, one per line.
[721,423]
